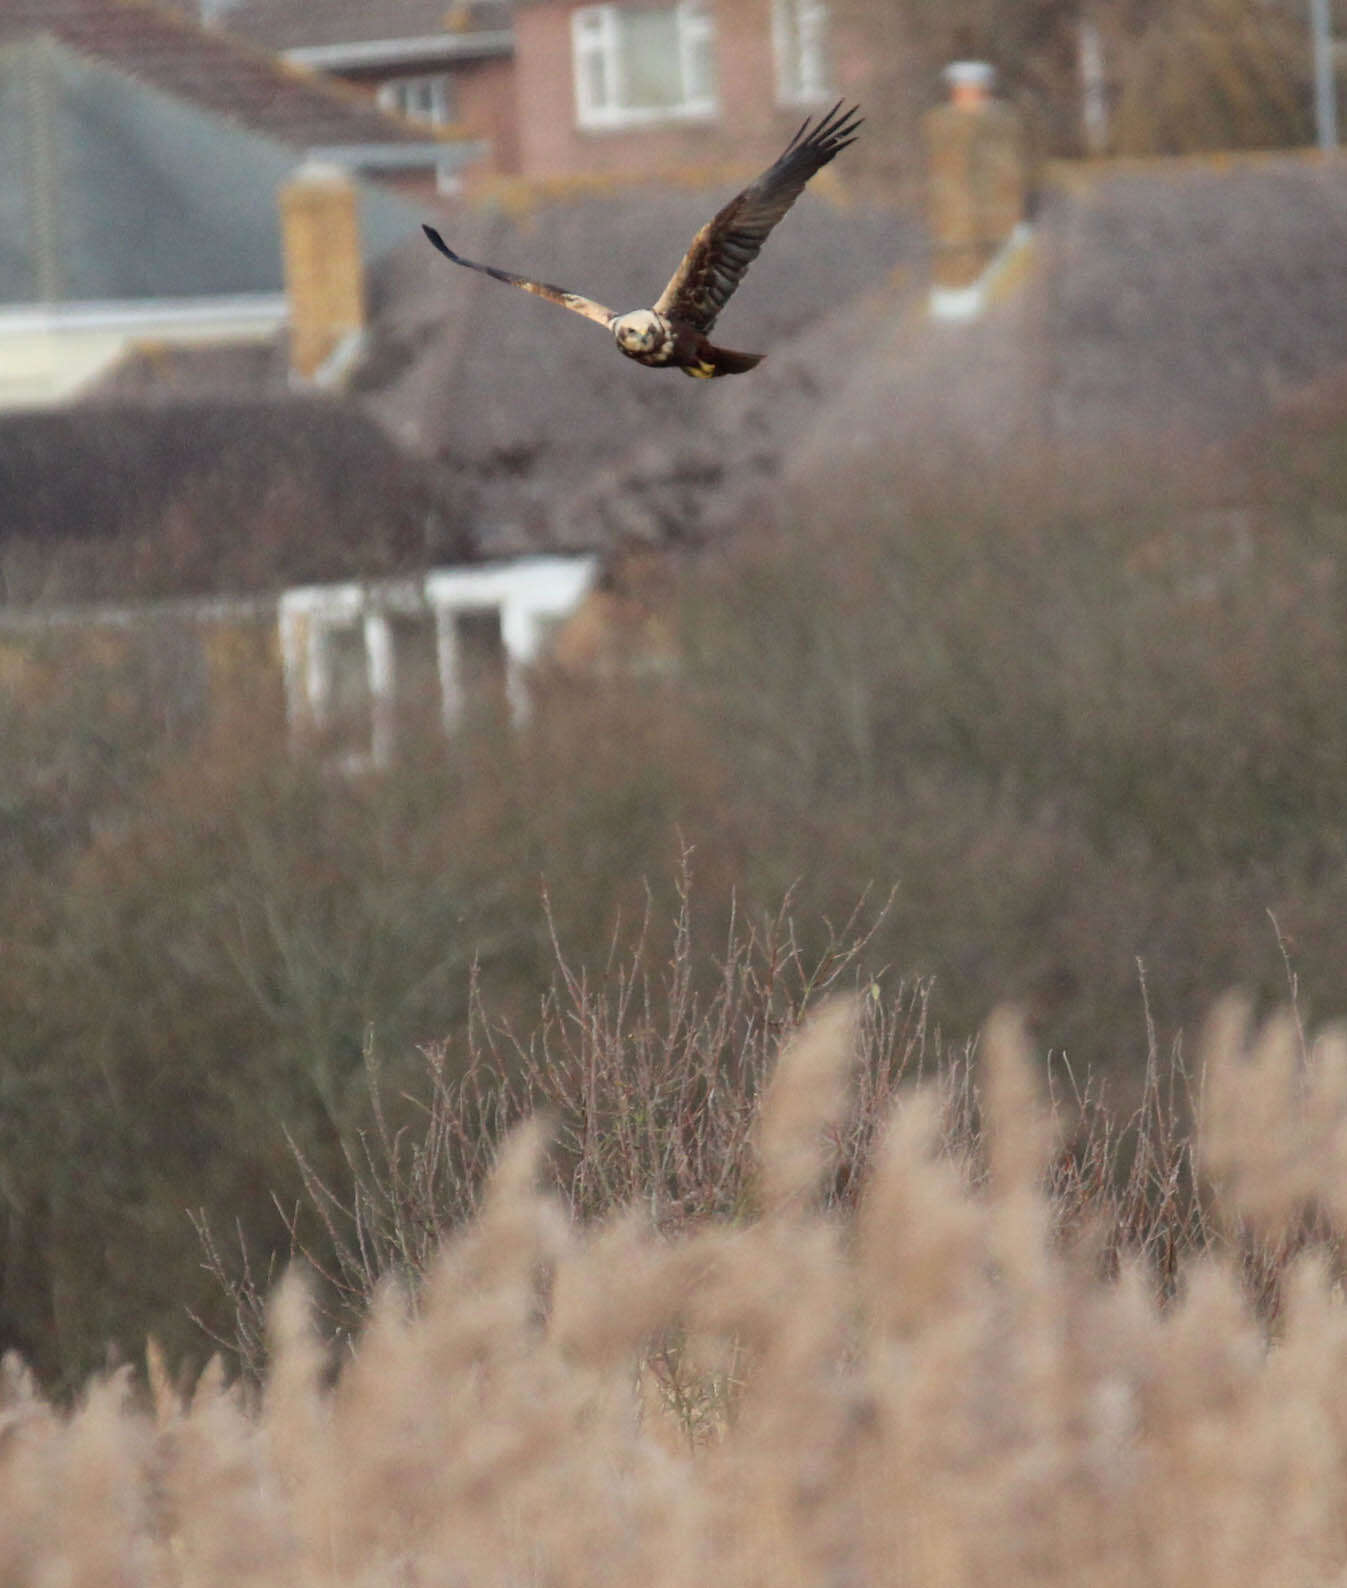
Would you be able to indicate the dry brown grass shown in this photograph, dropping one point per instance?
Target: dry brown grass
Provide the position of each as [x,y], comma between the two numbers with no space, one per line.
[928,1387]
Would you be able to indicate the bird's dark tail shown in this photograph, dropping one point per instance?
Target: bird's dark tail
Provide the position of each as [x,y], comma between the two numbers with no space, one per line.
[724,361]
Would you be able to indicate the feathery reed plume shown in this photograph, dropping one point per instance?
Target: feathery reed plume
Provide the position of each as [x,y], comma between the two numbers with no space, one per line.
[805,1100]
[917,1385]
[1274,1121]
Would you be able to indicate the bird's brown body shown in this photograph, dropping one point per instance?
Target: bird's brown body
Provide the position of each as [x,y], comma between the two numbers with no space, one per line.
[674,334]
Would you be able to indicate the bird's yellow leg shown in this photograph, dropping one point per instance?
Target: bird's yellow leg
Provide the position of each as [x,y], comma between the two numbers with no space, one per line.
[699,371]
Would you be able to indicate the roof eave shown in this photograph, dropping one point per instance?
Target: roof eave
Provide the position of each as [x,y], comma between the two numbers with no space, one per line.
[429,155]
[268,310]
[435,47]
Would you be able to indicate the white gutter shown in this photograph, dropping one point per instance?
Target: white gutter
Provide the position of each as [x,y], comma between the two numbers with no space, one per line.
[403,52]
[267,310]
[449,155]
[50,351]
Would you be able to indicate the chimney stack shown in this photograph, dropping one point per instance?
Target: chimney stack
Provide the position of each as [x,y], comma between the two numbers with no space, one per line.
[978,177]
[324,273]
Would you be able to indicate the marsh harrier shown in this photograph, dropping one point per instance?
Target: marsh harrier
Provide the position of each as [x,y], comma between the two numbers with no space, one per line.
[675,333]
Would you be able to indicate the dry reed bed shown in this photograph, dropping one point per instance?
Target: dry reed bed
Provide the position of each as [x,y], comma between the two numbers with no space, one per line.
[929,1390]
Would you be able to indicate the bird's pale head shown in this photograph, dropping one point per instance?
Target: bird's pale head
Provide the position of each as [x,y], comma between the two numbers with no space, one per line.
[640,331]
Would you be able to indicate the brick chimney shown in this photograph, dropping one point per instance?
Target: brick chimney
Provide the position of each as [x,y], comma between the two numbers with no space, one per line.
[324,274]
[978,178]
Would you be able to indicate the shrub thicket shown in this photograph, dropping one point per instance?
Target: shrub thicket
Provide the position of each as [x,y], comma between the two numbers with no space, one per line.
[1059,728]
[1073,722]
[197,968]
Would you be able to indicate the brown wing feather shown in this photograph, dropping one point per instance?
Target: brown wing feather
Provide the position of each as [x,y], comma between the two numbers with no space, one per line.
[726,246]
[574,301]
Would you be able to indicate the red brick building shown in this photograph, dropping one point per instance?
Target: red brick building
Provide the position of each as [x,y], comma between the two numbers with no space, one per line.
[624,84]
[556,88]
[445,65]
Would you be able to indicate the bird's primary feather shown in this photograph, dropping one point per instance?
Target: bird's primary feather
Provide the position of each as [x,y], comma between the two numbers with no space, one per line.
[574,301]
[726,246]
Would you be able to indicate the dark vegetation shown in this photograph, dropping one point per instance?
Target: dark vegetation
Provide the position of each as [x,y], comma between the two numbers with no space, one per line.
[1039,739]
[209,497]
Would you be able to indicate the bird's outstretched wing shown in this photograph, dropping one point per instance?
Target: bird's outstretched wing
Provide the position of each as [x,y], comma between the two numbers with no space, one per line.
[726,246]
[540,289]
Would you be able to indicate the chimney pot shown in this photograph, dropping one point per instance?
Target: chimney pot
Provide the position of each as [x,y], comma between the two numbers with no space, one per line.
[970,83]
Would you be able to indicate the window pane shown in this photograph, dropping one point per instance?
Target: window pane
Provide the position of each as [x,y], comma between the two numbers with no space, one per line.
[652,77]
[788,43]
[420,98]
[800,32]
[699,58]
[814,72]
[595,88]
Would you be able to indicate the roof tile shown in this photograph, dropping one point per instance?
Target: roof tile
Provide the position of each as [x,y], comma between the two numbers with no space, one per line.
[211,69]
[293,24]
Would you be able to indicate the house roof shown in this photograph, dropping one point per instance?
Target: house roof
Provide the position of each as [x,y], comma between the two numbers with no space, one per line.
[1168,303]
[210,69]
[542,436]
[567,445]
[302,24]
[132,194]
[1193,296]
[1163,304]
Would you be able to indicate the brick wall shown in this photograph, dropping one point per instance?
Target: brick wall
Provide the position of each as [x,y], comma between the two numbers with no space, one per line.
[750,125]
[488,107]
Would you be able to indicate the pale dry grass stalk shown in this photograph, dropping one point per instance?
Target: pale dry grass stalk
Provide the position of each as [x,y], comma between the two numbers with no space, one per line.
[651,1084]
[919,1385]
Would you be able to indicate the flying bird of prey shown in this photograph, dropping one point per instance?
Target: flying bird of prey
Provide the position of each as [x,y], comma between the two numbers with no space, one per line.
[675,333]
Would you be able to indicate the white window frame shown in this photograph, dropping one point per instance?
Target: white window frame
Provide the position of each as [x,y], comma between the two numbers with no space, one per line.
[595,31]
[799,45]
[396,93]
